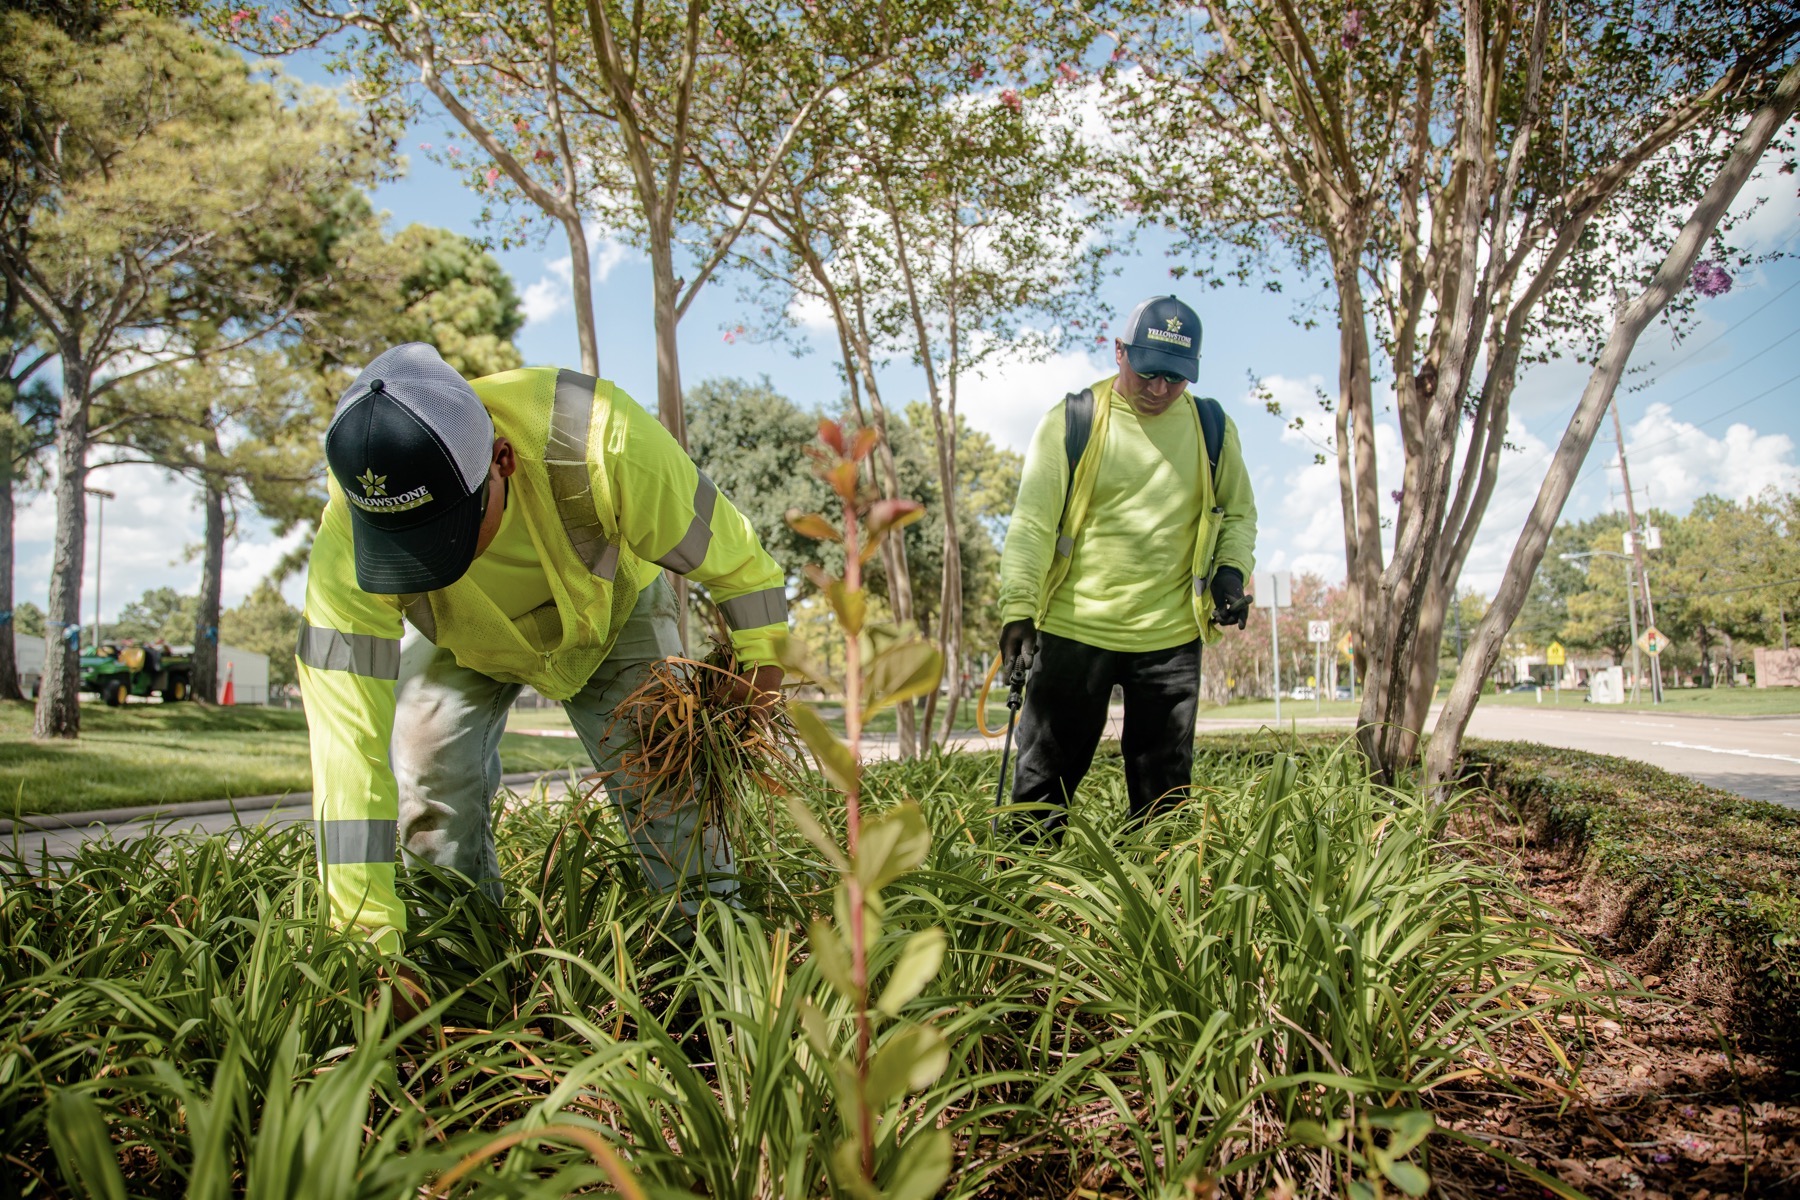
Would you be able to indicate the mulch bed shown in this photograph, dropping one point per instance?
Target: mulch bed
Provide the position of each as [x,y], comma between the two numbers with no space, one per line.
[1665,1103]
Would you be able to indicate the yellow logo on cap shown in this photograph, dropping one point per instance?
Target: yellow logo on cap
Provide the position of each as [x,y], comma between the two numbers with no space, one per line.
[372,483]
[1174,324]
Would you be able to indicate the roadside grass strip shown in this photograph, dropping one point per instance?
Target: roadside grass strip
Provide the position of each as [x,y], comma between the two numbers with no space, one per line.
[1698,882]
[167,753]
[1259,989]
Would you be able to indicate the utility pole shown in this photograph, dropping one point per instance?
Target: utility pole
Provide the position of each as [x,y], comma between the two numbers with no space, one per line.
[1637,553]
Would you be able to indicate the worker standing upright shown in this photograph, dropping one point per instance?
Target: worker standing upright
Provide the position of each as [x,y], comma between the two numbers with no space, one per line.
[1133,533]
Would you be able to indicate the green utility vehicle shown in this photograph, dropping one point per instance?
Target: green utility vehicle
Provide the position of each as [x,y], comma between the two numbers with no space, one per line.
[116,672]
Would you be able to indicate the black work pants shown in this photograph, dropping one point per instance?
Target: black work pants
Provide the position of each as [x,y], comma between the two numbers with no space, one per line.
[1065,713]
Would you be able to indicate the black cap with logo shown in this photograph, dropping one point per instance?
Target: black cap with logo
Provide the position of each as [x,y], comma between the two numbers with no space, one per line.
[1161,337]
[410,444]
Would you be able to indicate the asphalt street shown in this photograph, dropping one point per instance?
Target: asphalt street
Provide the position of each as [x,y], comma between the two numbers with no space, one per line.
[1758,757]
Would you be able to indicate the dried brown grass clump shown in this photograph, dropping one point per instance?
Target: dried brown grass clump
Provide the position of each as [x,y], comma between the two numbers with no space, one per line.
[693,735]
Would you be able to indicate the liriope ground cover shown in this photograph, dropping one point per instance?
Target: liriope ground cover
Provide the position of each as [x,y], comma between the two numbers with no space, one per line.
[1256,991]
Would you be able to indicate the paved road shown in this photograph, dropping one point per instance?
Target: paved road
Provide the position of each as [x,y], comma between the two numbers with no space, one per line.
[1757,757]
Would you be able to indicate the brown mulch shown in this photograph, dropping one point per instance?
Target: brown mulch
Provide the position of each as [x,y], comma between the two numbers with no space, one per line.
[1665,1104]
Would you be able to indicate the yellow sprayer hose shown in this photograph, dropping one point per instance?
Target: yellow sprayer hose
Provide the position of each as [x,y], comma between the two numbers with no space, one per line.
[982,700]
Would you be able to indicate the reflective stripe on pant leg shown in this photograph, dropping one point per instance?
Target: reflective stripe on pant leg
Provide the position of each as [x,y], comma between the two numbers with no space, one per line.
[350,841]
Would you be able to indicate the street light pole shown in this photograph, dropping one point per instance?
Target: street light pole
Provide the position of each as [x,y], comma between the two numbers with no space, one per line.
[101,496]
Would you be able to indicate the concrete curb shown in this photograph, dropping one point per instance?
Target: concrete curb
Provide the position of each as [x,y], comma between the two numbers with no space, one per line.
[194,808]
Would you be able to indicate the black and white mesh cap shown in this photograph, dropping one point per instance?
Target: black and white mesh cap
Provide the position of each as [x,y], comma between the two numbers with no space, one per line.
[1162,336]
[410,444]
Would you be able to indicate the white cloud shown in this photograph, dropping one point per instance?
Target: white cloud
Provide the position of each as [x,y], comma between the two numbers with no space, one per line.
[551,293]
[1008,397]
[141,543]
[1674,463]
[544,299]
[810,313]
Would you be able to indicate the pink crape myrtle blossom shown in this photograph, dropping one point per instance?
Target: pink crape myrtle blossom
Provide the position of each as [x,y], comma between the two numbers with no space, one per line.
[1710,278]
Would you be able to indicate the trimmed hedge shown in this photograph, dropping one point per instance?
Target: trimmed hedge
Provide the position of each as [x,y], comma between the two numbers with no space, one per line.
[1703,881]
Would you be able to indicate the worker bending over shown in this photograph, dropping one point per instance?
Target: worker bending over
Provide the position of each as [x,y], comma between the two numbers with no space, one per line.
[518,522]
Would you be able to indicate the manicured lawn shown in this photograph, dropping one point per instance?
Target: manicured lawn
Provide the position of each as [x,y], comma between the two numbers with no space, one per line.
[164,753]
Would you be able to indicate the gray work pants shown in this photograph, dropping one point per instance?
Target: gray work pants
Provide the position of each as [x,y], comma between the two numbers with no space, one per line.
[446,757]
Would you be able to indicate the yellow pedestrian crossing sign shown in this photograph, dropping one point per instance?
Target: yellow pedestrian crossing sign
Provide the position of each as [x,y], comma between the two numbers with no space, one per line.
[1555,655]
[1653,641]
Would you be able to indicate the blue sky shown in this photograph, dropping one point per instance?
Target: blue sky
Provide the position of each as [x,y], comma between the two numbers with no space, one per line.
[1717,414]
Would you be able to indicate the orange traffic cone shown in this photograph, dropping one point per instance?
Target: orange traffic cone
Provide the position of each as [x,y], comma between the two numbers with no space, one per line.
[229,696]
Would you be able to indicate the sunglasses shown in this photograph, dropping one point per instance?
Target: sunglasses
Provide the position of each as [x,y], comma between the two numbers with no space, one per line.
[1165,377]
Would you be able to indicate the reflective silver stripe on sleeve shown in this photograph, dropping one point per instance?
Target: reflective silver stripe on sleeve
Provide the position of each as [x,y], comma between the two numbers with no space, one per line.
[1065,546]
[357,653]
[1199,585]
[767,607]
[566,462]
[690,551]
[417,608]
[342,842]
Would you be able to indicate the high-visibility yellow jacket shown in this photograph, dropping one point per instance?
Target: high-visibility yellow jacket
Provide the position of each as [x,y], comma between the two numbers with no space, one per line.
[607,495]
[1053,508]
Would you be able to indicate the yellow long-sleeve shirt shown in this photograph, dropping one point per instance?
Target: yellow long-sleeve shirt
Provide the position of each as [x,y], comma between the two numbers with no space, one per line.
[1131,577]
[602,497]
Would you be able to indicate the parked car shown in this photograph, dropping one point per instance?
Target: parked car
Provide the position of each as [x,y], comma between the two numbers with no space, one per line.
[1343,693]
[1523,686]
[1302,692]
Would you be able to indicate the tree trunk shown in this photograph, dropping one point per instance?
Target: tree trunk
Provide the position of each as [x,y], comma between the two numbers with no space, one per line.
[664,288]
[9,659]
[859,367]
[1422,680]
[1446,744]
[950,596]
[893,548]
[944,423]
[58,707]
[581,280]
[205,677]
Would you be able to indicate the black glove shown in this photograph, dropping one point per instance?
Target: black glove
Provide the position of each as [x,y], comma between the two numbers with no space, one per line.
[1230,605]
[1018,645]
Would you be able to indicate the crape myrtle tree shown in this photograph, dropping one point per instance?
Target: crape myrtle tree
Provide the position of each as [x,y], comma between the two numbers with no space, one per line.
[159,206]
[1775,100]
[499,71]
[1477,182]
[917,219]
[989,259]
[804,255]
